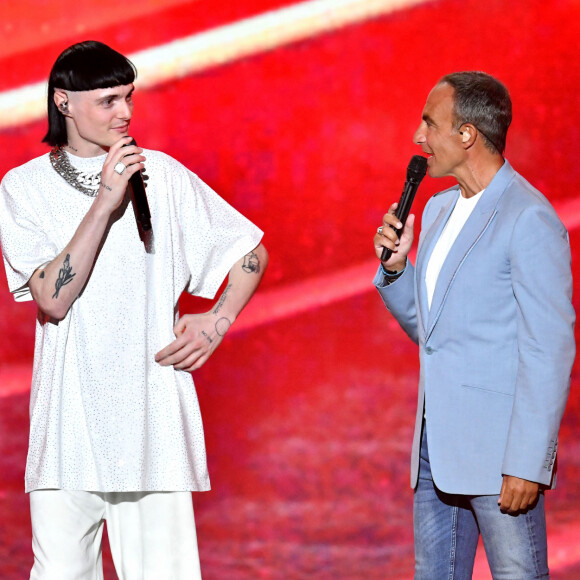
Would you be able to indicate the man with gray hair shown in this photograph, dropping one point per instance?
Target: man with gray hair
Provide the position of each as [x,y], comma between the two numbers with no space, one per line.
[489,304]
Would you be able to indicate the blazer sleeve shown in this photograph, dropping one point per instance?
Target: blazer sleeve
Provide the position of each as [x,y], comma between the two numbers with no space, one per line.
[542,285]
[399,298]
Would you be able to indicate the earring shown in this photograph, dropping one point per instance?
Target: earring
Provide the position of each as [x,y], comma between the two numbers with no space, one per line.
[64,107]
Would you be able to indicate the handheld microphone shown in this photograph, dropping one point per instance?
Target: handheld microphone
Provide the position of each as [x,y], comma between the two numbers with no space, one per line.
[140,198]
[415,172]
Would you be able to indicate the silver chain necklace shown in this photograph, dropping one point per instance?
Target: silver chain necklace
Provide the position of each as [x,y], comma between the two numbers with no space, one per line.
[87,183]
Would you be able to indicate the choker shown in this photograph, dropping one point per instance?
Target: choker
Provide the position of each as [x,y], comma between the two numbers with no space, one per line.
[87,183]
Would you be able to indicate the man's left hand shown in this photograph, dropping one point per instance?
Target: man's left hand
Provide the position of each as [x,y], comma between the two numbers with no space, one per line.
[517,494]
[197,336]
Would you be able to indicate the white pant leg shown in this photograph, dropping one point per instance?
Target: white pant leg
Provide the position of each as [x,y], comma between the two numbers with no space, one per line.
[152,535]
[67,528]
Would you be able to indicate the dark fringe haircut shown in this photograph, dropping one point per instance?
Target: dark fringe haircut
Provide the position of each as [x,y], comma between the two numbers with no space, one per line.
[84,66]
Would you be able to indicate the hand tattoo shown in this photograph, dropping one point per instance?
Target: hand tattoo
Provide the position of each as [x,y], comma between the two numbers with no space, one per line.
[207,337]
[65,275]
[251,263]
[222,326]
[222,299]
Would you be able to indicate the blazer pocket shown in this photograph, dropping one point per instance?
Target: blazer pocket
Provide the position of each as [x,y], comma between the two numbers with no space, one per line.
[499,389]
[483,417]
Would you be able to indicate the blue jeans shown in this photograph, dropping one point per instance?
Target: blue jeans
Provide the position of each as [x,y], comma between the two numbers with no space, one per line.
[447,529]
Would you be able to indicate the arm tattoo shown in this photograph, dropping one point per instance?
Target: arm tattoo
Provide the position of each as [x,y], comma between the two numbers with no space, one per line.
[65,275]
[251,263]
[222,299]
[222,326]
[41,274]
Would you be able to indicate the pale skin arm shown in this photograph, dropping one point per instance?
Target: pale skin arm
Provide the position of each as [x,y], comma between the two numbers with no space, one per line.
[388,239]
[57,285]
[198,335]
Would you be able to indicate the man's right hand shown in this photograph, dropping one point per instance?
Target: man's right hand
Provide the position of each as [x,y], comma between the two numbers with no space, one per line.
[57,285]
[387,238]
[113,185]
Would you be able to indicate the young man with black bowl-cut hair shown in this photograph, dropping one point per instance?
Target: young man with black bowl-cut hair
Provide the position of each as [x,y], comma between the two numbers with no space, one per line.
[115,426]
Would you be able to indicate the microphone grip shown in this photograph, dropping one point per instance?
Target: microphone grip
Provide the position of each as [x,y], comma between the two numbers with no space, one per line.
[387,253]
[141,205]
[402,211]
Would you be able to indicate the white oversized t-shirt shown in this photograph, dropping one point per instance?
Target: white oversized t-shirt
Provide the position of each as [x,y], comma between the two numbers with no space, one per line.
[104,415]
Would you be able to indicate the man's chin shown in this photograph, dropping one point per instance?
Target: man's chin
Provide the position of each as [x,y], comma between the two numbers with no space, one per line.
[431,172]
[108,142]
[116,134]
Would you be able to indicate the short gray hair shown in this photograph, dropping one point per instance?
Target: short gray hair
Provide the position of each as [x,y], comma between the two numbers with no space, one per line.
[483,101]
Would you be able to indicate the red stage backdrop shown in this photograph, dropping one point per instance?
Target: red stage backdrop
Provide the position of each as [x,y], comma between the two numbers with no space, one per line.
[301,116]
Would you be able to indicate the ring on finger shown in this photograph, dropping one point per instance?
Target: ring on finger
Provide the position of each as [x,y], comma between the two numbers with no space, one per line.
[380,230]
[119,168]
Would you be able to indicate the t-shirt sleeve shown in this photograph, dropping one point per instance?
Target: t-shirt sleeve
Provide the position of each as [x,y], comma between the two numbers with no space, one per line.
[215,235]
[25,246]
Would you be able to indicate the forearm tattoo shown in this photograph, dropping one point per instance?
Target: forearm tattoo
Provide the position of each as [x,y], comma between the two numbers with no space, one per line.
[222,326]
[251,263]
[222,299]
[65,275]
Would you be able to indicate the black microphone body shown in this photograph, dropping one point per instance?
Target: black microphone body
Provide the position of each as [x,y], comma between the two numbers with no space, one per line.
[141,205]
[415,173]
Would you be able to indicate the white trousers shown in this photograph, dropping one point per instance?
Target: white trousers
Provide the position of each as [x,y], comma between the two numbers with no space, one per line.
[151,534]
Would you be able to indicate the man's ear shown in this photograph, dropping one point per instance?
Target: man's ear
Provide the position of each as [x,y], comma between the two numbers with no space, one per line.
[61,101]
[468,132]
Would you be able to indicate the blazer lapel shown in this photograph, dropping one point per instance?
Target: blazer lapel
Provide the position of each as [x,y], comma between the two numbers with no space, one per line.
[471,233]
[424,252]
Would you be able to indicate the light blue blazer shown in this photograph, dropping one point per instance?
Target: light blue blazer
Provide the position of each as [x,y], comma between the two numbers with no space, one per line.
[497,346]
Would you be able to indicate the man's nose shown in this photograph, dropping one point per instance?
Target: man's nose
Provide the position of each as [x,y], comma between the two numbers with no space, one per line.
[419,136]
[126,111]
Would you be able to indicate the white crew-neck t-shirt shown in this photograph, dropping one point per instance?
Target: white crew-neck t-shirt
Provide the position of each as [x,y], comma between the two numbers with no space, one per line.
[461,212]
